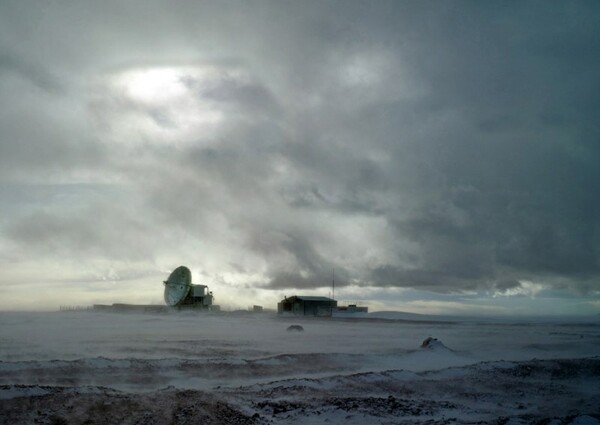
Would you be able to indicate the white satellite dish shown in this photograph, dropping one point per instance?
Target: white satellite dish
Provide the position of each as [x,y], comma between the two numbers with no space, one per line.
[178,286]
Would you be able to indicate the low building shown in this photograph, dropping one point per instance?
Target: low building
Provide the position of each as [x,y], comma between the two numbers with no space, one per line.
[350,310]
[131,308]
[306,306]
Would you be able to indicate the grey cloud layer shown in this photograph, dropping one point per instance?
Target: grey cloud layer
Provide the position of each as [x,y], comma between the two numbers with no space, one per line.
[442,146]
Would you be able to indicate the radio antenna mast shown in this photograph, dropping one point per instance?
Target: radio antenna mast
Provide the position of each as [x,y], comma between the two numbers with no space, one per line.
[333,284]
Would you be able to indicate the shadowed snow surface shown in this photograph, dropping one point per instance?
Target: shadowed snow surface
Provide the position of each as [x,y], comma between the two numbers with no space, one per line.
[246,368]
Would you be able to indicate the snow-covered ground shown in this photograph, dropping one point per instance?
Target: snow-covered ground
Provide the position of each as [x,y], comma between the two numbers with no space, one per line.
[73,367]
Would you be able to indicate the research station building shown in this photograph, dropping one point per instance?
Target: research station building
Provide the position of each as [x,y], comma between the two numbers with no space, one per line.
[306,306]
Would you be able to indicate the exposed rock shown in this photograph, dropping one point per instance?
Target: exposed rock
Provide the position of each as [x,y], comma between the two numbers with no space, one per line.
[295,328]
[427,341]
[431,343]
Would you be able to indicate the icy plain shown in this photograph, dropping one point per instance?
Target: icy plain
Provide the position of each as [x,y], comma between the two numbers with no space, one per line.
[238,367]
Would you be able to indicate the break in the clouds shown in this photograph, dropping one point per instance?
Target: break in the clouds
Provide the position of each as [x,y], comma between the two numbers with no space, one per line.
[447,148]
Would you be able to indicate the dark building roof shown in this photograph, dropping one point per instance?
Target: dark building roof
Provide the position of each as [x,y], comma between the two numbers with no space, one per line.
[309,298]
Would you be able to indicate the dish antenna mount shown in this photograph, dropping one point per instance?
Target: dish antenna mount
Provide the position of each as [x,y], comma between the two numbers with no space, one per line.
[178,285]
[179,290]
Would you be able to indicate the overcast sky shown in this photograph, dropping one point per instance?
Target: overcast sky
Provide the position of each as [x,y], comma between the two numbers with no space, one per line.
[442,156]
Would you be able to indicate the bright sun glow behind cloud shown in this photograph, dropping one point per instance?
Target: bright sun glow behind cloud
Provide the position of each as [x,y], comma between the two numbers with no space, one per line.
[153,85]
[162,104]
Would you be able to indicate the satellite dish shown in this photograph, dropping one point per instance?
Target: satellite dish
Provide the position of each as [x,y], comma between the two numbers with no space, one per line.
[178,285]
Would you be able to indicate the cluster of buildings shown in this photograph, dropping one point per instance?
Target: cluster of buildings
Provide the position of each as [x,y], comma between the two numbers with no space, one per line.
[181,293]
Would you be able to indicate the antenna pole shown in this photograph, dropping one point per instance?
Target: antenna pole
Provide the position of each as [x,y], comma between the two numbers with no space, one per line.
[333,284]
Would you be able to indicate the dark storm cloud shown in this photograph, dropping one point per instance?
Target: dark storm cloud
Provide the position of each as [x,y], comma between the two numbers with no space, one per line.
[460,139]
[34,73]
[42,130]
[251,97]
[507,284]
[100,233]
